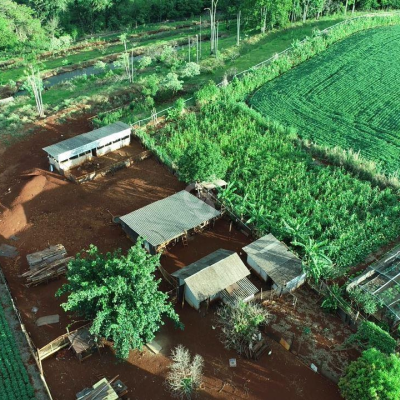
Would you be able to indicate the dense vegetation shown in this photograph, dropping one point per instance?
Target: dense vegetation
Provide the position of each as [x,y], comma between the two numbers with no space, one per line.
[37,21]
[276,185]
[119,294]
[336,100]
[14,380]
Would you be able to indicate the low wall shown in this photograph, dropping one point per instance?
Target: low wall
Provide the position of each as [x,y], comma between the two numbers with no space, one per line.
[109,169]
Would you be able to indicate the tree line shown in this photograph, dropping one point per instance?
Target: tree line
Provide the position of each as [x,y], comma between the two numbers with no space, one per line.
[28,24]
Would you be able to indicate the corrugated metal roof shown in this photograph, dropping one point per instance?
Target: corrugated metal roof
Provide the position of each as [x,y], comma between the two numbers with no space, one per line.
[166,219]
[86,141]
[240,290]
[213,273]
[275,259]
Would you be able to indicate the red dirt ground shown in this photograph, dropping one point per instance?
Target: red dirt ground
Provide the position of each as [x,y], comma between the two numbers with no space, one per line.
[47,210]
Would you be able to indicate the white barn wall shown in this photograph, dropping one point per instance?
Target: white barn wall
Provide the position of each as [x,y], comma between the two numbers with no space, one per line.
[191,299]
[295,283]
[263,275]
[112,147]
[69,164]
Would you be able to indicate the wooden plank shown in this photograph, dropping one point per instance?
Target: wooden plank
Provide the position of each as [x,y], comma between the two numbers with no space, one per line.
[48,319]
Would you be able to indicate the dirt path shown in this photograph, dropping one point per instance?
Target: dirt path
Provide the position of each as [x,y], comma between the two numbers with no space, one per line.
[47,210]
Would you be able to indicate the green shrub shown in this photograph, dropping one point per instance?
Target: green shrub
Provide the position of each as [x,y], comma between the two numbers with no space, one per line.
[370,335]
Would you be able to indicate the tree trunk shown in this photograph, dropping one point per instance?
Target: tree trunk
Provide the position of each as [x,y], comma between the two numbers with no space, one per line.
[345,7]
[305,12]
[263,19]
[239,14]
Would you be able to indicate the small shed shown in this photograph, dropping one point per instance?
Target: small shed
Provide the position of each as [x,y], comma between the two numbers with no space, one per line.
[271,259]
[219,276]
[75,151]
[166,220]
[83,343]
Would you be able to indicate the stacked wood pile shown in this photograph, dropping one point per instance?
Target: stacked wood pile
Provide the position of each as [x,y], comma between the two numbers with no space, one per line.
[46,265]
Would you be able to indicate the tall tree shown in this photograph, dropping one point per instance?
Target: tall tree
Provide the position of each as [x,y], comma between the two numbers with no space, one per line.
[120,294]
[34,85]
[213,23]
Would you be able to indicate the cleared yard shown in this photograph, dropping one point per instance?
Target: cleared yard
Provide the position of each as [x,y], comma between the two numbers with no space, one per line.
[347,96]
[42,210]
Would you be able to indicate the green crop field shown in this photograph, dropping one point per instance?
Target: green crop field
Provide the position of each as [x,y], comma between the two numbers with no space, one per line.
[347,97]
[275,182]
[14,380]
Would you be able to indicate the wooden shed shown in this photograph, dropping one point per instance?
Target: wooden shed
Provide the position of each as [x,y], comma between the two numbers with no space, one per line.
[166,220]
[75,151]
[83,343]
[271,259]
[219,276]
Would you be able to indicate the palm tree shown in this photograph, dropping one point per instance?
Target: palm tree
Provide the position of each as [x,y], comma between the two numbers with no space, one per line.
[315,262]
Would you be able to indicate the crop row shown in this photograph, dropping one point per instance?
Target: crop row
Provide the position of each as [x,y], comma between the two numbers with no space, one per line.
[347,97]
[14,379]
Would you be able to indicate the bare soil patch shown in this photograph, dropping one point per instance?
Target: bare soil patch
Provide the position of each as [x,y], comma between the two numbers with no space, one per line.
[327,331]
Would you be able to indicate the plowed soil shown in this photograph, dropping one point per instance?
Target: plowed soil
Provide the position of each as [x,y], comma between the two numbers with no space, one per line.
[47,210]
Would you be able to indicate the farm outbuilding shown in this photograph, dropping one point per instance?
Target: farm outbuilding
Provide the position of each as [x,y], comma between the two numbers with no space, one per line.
[83,343]
[219,276]
[168,220]
[271,259]
[75,151]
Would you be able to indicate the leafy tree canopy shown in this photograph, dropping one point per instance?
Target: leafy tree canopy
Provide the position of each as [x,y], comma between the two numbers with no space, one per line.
[18,27]
[202,161]
[373,376]
[120,294]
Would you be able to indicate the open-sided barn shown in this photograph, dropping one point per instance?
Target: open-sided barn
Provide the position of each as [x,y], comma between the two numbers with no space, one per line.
[75,151]
[219,276]
[166,220]
[270,258]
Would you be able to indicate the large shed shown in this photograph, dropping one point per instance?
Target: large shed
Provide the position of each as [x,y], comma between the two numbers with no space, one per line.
[75,151]
[219,276]
[166,220]
[271,259]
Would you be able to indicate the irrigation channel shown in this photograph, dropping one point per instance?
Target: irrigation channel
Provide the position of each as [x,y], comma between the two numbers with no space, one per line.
[90,70]
[66,76]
